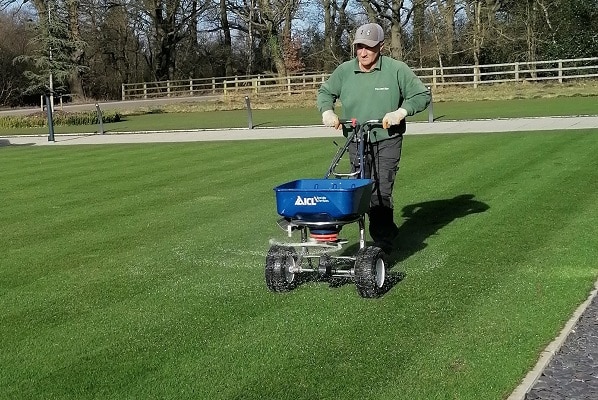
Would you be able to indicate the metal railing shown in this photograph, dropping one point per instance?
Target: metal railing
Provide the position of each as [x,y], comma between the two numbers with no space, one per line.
[469,75]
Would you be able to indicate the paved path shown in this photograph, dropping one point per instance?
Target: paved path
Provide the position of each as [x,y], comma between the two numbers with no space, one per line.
[567,369]
[500,125]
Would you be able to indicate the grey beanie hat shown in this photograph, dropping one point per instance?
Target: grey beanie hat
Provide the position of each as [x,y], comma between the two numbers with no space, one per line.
[369,34]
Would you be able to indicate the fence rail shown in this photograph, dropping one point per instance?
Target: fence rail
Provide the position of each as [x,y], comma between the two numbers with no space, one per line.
[470,75]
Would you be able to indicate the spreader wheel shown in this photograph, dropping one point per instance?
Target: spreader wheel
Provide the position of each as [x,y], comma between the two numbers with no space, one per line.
[370,271]
[280,262]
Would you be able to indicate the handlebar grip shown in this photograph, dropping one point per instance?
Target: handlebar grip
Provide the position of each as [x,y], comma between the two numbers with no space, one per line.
[354,122]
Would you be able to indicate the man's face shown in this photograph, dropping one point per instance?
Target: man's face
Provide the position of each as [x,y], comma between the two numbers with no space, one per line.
[367,56]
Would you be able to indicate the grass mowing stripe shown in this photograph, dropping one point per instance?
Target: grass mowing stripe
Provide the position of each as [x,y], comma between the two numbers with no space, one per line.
[166,298]
[497,205]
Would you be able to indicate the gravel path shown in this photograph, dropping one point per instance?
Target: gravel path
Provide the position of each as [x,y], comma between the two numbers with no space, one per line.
[572,374]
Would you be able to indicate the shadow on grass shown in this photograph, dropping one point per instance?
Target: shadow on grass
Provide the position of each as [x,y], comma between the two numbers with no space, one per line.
[392,278]
[420,221]
[6,143]
[425,219]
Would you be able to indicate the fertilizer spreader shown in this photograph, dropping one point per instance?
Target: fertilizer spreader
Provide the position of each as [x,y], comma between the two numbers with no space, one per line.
[317,209]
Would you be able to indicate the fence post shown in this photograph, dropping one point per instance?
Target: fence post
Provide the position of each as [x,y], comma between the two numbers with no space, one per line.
[289,85]
[100,119]
[434,78]
[560,71]
[123,91]
[249,114]
[431,106]
[190,86]
[50,119]
[145,91]
[168,88]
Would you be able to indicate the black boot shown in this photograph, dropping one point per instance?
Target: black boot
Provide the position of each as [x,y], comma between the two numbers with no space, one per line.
[383,229]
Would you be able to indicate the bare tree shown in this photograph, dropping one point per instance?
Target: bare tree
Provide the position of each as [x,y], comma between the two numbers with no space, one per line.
[481,14]
[228,56]
[16,38]
[115,49]
[77,54]
[168,22]
[393,16]
[419,28]
[269,22]
[274,25]
[448,11]
[336,23]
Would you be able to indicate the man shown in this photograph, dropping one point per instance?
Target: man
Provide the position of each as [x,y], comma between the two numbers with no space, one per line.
[373,86]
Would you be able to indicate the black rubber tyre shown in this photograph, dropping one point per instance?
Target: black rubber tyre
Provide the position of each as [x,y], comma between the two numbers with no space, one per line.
[370,271]
[278,262]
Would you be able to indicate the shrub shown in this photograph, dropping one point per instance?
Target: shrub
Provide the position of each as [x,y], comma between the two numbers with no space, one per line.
[61,118]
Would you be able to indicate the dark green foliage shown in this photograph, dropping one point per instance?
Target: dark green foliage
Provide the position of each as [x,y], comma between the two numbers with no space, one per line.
[51,58]
[574,34]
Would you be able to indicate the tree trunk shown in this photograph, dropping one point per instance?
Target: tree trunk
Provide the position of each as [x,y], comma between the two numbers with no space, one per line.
[419,27]
[228,63]
[478,40]
[329,27]
[335,25]
[396,42]
[531,11]
[270,33]
[75,80]
[448,13]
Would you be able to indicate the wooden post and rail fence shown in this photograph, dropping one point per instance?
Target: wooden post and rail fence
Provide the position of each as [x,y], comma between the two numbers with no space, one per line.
[555,70]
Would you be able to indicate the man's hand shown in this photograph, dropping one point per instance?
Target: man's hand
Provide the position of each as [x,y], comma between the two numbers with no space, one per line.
[394,118]
[329,118]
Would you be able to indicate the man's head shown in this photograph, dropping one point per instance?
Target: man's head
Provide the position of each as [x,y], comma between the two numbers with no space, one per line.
[369,40]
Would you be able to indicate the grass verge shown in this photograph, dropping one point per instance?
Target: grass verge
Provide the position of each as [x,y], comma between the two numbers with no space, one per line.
[137,271]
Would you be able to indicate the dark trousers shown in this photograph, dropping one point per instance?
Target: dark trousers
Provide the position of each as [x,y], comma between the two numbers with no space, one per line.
[381,164]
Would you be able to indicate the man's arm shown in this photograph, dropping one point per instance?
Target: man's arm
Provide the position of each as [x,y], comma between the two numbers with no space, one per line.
[328,93]
[416,96]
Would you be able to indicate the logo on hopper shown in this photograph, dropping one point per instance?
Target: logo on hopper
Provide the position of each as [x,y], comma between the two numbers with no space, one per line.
[310,201]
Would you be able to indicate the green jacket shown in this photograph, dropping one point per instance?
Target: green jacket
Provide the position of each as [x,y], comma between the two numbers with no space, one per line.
[370,95]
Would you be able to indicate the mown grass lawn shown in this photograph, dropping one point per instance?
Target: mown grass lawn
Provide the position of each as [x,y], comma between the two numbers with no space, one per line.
[136,271]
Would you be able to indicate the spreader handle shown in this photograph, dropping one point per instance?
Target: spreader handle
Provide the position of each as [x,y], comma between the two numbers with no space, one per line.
[354,123]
